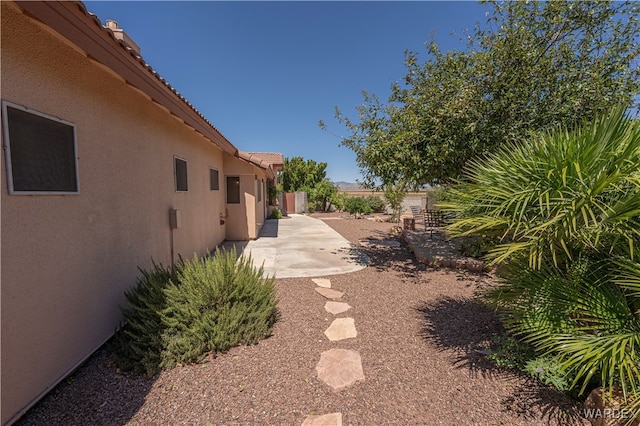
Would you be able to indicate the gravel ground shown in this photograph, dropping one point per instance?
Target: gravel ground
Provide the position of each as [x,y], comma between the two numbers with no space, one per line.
[419,332]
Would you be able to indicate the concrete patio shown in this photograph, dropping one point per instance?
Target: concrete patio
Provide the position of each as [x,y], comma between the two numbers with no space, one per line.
[301,246]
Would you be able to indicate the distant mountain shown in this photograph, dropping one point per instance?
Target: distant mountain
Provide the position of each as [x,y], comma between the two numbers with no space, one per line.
[348,186]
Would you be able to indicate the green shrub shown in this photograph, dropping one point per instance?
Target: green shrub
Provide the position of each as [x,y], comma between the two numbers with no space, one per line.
[276,214]
[549,371]
[566,207]
[138,345]
[509,352]
[208,304]
[376,203]
[357,205]
[339,200]
[272,193]
[477,245]
[394,195]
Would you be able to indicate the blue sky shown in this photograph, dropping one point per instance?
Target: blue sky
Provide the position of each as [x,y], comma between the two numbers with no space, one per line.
[265,72]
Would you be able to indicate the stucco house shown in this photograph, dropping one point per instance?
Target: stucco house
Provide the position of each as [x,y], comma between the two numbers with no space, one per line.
[105,169]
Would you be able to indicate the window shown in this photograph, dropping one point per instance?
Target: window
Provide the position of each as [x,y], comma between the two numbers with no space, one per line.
[259,189]
[180,168]
[233,190]
[214,183]
[41,152]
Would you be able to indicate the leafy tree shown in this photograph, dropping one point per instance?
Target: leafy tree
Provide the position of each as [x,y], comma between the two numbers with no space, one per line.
[566,206]
[357,206]
[323,193]
[299,174]
[339,200]
[532,66]
[394,194]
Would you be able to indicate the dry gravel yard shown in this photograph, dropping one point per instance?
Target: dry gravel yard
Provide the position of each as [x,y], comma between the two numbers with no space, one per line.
[418,335]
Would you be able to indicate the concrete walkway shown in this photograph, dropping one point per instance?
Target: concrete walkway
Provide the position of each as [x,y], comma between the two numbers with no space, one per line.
[301,246]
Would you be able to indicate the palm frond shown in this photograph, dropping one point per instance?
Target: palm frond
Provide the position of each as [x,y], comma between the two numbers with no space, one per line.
[564,188]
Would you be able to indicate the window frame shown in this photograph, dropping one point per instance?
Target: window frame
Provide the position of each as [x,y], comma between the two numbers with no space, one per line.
[217,180]
[175,173]
[7,149]
[227,190]
[259,194]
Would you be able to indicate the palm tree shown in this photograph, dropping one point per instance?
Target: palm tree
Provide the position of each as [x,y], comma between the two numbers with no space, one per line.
[566,209]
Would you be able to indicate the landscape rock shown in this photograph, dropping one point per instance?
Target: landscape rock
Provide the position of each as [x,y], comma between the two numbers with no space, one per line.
[340,368]
[336,307]
[332,419]
[329,293]
[340,329]
[322,282]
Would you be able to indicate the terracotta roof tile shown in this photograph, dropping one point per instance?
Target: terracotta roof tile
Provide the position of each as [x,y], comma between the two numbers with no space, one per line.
[273,158]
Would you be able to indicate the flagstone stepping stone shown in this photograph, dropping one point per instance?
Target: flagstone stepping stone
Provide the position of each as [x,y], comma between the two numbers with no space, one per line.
[336,308]
[329,293]
[333,419]
[340,329]
[340,368]
[322,282]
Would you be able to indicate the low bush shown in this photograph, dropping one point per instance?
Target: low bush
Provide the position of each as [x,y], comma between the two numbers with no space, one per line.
[477,245]
[508,352]
[357,205]
[138,345]
[339,200]
[376,203]
[206,305]
[549,371]
[276,214]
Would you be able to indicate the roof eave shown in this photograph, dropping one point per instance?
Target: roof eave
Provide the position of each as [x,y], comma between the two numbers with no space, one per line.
[72,21]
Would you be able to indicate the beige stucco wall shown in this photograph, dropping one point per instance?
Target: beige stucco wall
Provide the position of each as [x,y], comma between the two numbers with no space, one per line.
[245,220]
[66,260]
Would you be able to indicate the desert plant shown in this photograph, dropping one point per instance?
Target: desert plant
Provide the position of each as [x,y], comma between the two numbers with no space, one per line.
[477,245]
[208,304]
[339,200]
[394,195]
[357,205]
[138,345]
[508,352]
[276,214]
[218,303]
[566,209]
[376,204]
[549,371]
[561,193]
[322,194]
[272,192]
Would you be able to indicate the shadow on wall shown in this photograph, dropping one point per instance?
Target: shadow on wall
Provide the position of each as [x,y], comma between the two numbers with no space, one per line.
[96,392]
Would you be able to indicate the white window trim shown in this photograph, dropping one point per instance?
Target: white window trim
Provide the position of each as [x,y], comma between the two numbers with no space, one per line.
[175,174]
[7,150]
